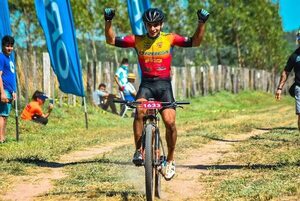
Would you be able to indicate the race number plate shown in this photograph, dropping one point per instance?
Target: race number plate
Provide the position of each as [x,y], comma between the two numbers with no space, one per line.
[151,105]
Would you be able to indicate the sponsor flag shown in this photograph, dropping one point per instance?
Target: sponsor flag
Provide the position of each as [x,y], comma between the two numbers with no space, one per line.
[4,20]
[5,24]
[136,9]
[55,17]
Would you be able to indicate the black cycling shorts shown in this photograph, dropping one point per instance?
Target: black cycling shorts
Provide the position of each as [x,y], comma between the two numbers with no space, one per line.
[160,90]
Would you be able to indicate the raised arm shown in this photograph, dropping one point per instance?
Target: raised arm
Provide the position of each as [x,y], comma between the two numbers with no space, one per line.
[109,14]
[199,33]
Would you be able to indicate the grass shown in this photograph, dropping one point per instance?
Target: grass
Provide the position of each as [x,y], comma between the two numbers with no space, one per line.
[264,167]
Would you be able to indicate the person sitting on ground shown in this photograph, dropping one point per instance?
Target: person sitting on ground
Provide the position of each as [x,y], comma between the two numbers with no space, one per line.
[104,99]
[33,110]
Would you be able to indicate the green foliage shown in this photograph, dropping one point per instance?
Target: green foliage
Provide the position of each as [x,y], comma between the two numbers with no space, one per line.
[238,33]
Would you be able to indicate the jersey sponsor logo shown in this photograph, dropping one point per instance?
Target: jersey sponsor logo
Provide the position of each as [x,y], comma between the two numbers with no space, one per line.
[161,68]
[151,60]
[154,53]
[297,58]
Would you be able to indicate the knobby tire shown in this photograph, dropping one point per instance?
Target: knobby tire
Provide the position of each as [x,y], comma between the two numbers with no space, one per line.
[149,163]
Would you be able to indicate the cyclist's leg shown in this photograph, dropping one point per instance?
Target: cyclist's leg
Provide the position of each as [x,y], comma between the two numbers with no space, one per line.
[165,94]
[143,94]
[169,116]
[138,125]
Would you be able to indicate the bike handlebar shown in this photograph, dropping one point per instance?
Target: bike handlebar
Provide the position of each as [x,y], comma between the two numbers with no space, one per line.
[164,104]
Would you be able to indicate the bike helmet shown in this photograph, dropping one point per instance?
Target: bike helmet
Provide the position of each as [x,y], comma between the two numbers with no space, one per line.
[153,15]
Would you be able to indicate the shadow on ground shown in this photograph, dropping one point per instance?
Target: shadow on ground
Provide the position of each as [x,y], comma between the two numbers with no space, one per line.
[125,195]
[232,167]
[52,164]
[278,128]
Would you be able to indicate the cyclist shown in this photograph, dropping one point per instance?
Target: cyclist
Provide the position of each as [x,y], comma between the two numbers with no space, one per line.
[154,56]
[292,63]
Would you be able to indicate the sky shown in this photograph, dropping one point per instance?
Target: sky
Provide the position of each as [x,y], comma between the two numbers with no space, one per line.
[290,13]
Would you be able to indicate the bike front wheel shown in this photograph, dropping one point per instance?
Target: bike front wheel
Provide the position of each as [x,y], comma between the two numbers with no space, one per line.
[148,163]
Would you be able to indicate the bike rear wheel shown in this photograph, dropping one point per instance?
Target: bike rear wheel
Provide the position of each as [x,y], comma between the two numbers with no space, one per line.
[148,163]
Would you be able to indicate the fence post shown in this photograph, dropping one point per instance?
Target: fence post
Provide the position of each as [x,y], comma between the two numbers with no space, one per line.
[89,81]
[46,74]
[184,86]
[100,73]
[193,80]
[94,75]
[173,80]
[203,82]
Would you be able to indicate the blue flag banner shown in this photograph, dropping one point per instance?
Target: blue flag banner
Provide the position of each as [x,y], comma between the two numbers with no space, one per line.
[4,20]
[136,9]
[55,17]
[5,23]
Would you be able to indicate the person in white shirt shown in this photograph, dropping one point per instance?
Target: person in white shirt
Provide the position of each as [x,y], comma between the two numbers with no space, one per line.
[129,90]
[104,99]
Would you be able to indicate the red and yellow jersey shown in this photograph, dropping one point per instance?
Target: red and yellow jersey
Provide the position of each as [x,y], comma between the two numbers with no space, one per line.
[154,54]
[31,109]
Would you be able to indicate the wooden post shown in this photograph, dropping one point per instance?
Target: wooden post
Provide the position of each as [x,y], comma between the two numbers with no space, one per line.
[233,80]
[94,75]
[193,80]
[100,73]
[203,81]
[34,73]
[227,82]
[46,74]
[174,79]
[184,86]
[89,83]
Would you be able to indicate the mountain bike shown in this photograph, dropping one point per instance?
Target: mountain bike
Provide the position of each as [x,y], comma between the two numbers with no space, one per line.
[153,152]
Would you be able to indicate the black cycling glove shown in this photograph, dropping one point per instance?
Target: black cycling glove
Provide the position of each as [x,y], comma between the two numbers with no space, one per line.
[109,14]
[202,15]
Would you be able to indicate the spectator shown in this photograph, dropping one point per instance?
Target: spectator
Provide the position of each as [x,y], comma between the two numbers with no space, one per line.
[33,110]
[293,63]
[121,75]
[7,83]
[129,90]
[104,99]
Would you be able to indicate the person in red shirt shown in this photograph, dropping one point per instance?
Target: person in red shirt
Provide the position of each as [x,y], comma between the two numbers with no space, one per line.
[33,110]
[154,51]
